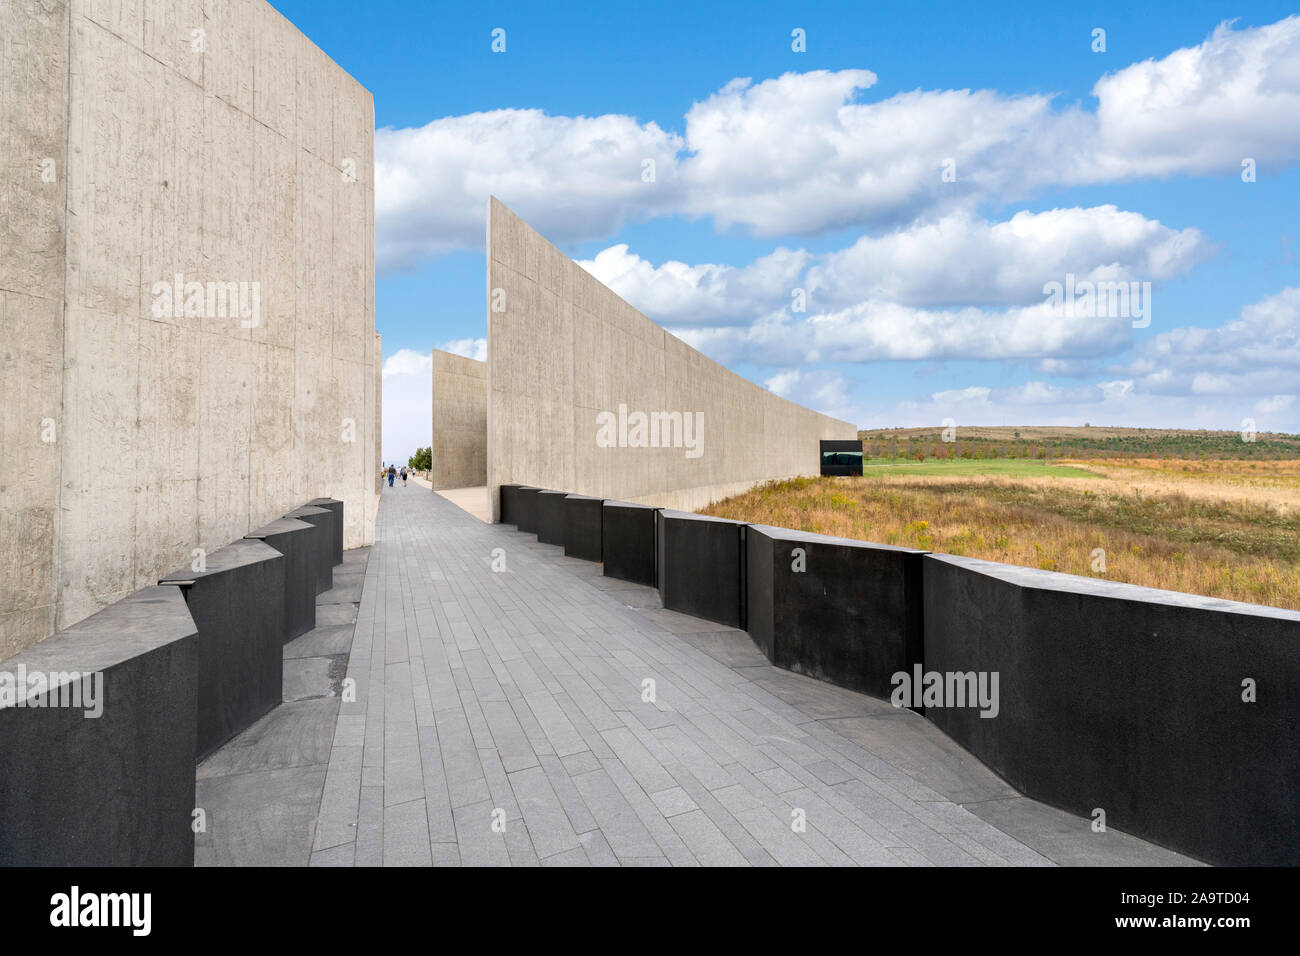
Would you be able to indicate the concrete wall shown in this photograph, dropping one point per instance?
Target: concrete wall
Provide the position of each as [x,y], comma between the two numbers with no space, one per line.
[459,421]
[564,348]
[132,437]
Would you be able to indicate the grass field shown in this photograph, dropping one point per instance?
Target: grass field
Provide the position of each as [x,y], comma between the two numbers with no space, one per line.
[1223,528]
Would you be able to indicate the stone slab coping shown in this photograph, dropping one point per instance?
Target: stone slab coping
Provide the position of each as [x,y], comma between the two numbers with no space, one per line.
[317,502]
[548,491]
[585,497]
[141,622]
[237,554]
[279,526]
[787,534]
[612,503]
[1040,580]
[691,516]
[307,510]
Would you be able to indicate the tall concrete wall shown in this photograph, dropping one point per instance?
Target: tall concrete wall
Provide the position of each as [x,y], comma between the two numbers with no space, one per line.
[459,421]
[563,349]
[207,139]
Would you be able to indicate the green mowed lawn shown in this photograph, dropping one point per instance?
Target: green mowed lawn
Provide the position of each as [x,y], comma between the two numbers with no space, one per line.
[1017,467]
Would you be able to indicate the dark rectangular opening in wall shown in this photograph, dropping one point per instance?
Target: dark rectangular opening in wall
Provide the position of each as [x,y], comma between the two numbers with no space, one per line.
[841,457]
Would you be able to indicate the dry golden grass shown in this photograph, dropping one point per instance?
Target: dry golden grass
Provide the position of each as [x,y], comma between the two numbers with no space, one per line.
[1232,547]
[1265,483]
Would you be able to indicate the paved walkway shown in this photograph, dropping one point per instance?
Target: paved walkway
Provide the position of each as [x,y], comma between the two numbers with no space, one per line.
[499,719]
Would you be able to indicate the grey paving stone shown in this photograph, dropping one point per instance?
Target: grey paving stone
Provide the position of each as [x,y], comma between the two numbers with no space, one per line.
[479,844]
[335,614]
[335,856]
[370,827]
[259,819]
[308,677]
[296,734]
[406,835]
[673,801]
[584,762]
[338,804]
[322,641]
[548,824]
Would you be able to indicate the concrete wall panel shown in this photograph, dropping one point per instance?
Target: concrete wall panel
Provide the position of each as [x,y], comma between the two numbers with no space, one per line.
[240,154]
[566,349]
[459,421]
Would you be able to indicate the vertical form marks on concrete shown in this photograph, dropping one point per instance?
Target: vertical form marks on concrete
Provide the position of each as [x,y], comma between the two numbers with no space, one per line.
[213,143]
[33,212]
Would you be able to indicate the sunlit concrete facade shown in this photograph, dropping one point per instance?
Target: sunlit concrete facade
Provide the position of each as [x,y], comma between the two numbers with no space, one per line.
[570,368]
[149,151]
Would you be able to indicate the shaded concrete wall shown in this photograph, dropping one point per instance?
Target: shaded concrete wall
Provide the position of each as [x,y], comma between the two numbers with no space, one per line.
[563,348]
[459,421]
[207,139]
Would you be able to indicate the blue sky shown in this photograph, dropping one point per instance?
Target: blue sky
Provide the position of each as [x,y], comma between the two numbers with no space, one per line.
[924,296]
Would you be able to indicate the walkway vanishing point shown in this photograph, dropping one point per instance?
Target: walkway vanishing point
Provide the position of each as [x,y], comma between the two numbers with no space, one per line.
[499,720]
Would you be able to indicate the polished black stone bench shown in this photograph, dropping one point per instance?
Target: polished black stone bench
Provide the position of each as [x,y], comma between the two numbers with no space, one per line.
[840,610]
[550,517]
[525,508]
[1129,700]
[700,563]
[116,790]
[237,603]
[322,519]
[335,507]
[297,541]
[508,512]
[627,541]
[582,527]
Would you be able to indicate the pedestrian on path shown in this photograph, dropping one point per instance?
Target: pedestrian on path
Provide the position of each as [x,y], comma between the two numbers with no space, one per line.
[392,473]
[403,476]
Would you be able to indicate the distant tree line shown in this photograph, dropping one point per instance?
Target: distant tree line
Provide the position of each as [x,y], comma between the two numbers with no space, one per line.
[1157,444]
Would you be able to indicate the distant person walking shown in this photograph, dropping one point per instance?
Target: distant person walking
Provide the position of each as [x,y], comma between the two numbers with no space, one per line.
[392,473]
[403,476]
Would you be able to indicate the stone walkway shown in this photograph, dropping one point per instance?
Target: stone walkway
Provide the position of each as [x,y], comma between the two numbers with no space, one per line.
[501,718]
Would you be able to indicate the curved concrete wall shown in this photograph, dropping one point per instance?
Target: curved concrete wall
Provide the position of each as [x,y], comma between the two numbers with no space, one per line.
[459,421]
[563,349]
[135,150]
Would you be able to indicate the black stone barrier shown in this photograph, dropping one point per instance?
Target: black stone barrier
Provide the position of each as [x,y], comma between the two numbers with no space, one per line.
[295,540]
[550,517]
[526,508]
[116,789]
[334,506]
[582,514]
[701,566]
[508,513]
[1176,715]
[843,611]
[237,603]
[322,519]
[627,541]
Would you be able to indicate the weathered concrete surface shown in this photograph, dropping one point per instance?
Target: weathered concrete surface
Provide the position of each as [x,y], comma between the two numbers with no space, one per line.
[459,421]
[238,155]
[563,349]
[33,115]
